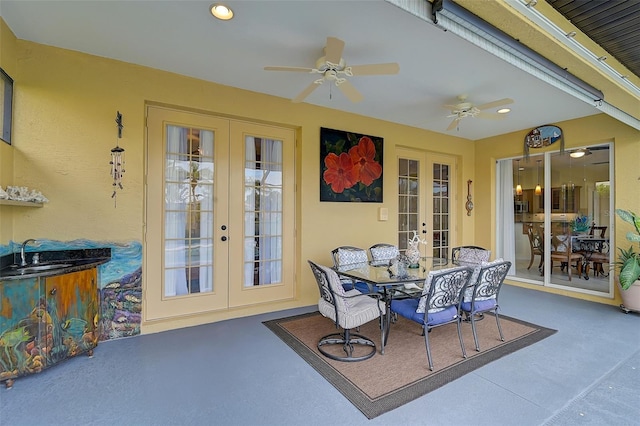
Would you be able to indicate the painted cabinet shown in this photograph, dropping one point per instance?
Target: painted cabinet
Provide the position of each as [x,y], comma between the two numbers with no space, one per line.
[46,320]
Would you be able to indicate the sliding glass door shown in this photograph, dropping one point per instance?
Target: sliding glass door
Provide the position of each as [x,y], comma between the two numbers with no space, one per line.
[561,218]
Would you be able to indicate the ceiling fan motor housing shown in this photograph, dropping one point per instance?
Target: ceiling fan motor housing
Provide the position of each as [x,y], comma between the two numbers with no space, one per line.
[323,65]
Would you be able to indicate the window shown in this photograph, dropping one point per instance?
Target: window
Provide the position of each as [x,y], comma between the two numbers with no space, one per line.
[6,102]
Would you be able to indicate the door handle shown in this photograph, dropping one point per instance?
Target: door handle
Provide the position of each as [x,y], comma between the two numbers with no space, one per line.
[223,238]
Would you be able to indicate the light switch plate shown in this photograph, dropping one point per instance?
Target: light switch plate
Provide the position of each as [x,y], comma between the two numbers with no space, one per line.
[383,214]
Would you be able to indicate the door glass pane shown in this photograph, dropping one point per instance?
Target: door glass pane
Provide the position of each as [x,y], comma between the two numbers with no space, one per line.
[580,205]
[188,252]
[408,200]
[440,196]
[263,212]
[528,211]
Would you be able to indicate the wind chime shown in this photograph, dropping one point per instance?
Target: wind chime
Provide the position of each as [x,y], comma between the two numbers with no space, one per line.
[117,161]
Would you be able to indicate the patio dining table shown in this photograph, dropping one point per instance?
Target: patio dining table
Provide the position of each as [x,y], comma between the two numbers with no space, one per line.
[381,278]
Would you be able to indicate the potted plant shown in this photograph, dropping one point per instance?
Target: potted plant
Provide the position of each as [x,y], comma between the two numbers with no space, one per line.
[629,264]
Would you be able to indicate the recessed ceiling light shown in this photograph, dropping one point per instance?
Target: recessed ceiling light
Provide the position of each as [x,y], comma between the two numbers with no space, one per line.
[504,110]
[221,11]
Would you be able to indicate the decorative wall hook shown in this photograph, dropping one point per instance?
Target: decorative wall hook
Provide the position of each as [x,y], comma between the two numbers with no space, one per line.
[117,160]
[469,204]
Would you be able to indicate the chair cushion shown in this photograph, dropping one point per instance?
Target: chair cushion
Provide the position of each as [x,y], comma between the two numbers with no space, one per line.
[361,310]
[480,305]
[382,255]
[407,308]
[348,257]
[468,294]
[422,304]
[361,286]
[473,255]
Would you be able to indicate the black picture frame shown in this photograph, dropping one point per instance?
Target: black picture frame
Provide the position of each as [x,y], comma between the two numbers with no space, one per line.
[6,106]
[351,166]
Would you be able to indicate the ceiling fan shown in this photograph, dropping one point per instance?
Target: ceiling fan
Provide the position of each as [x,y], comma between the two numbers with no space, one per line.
[334,69]
[465,109]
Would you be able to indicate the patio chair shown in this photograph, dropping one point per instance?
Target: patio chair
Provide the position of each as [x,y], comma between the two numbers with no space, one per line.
[344,256]
[470,254]
[481,296]
[348,310]
[438,305]
[562,251]
[382,253]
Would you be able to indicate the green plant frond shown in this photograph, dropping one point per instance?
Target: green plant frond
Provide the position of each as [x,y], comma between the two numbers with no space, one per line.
[625,215]
[629,273]
[634,238]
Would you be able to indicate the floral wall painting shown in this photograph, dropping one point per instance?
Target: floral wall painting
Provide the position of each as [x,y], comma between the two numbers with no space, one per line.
[543,136]
[350,167]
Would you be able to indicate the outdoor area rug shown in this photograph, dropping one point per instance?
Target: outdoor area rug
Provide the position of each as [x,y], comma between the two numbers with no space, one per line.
[385,382]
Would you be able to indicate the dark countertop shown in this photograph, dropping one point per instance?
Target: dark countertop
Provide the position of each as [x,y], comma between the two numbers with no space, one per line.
[74,261]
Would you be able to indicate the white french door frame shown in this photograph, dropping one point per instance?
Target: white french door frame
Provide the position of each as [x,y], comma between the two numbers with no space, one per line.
[234,168]
[424,223]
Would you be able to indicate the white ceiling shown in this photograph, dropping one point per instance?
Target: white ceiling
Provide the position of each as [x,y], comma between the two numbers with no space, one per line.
[182,37]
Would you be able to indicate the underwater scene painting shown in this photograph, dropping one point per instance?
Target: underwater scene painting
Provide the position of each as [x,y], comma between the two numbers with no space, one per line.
[119,283]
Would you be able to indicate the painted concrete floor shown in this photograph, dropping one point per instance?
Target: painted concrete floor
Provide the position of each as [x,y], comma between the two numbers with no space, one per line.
[237,372]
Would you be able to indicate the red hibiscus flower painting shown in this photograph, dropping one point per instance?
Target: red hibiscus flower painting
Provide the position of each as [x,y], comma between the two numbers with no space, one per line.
[351,167]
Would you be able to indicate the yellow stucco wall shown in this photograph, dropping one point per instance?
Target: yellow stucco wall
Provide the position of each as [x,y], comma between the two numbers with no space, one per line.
[65,108]
[587,131]
[8,64]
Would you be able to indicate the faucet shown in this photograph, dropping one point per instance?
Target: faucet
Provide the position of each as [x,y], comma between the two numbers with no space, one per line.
[23,261]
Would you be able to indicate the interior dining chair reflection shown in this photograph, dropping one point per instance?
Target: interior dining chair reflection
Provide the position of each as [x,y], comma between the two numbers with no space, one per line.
[600,257]
[438,305]
[536,244]
[562,252]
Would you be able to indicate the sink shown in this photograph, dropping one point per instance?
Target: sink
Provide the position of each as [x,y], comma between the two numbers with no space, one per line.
[39,268]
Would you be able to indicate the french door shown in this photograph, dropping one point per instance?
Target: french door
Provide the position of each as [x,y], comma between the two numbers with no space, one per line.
[425,197]
[219,210]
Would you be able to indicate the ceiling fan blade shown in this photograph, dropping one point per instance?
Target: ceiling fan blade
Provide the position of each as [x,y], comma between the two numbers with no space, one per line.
[350,92]
[376,69]
[298,69]
[453,124]
[333,50]
[306,92]
[505,101]
[491,116]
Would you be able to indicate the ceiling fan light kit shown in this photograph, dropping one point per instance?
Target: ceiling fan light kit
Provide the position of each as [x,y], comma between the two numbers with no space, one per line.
[334,69]
[578,153]
[464,109]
